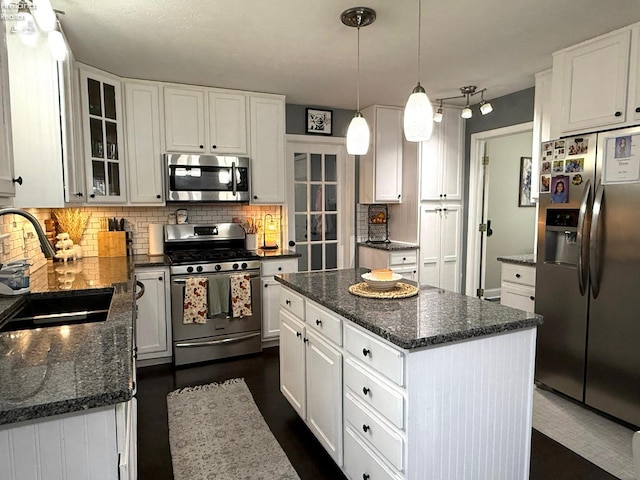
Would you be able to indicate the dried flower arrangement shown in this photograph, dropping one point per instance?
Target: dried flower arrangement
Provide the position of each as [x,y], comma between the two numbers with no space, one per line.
[72,221]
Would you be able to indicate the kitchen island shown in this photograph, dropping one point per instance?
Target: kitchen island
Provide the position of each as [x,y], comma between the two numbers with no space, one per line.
[438,385]
[72,385]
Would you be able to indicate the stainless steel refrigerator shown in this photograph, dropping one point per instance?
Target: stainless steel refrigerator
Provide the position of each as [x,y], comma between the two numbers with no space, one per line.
[588,270]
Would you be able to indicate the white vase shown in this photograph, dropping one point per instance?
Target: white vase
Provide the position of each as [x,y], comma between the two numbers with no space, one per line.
[251,241]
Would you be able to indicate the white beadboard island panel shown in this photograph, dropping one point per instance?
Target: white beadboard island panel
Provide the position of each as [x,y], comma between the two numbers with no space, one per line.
[470,407]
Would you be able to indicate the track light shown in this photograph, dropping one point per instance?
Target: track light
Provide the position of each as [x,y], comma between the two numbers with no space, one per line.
[35,17]
[466,93]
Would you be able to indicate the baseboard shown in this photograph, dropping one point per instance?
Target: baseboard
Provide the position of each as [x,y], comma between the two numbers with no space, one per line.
[492,294]
[270,342]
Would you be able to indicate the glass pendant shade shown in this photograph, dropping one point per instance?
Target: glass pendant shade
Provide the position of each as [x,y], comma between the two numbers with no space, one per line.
[466,112]
[418,116]
[438,116]
[358,136]
[485,107]
[57,46]
[26,28]
[44,15]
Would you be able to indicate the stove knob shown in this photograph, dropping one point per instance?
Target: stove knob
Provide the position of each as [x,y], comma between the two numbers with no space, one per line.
[189,269]
[218,267]
[235,266]
[244,265]
[199,269]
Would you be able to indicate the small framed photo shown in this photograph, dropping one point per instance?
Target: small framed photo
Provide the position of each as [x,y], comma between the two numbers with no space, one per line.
[319,122]
[524,192]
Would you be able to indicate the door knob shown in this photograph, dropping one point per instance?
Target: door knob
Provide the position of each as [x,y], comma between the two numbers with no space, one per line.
[18,180]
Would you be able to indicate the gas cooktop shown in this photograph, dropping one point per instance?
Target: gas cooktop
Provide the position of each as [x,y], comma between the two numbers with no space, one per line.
[190,256]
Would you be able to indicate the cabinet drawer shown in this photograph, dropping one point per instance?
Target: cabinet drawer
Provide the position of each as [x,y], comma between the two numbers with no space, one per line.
[324,321]
[292,302]
[373,391]
[519,274]
[517,296]
[361,462]
[404,257]
[274,267]
[382,358]
[383,438]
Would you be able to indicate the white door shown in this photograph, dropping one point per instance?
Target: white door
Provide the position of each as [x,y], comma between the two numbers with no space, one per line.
[151,323]
[184,120]
[430,245]
[292,370]
[320,203]
[450,221]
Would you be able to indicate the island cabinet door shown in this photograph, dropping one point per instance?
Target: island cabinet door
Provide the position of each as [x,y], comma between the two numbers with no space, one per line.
[292,360]
[324,394]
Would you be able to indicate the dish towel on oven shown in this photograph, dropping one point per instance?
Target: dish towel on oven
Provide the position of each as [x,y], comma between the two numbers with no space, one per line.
[195,300]
[241,296]
[219,294]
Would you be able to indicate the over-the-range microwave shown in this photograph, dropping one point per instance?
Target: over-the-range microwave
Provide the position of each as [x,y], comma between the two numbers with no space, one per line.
[206,178]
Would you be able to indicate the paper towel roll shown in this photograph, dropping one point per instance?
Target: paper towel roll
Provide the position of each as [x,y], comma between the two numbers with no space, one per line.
[156,239]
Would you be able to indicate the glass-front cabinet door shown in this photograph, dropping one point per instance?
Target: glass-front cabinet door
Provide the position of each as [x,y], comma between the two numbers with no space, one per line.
[103,137]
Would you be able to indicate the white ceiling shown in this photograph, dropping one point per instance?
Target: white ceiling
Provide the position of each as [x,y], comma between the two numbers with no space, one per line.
[301,49]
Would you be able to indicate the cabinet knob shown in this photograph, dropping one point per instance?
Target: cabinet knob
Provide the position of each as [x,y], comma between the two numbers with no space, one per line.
[159,279]
[288,302]
[305,340]
[444,209]
[518,275]
[292,243]
[637,109]
[399,197]
[214,146]
[618,114]
[445,195]
[440,195]
[366,390]
[365,428]
[93,195]
[79,194]
[255,197]
[365,476]
[404,259]
[266,285]
[532,298]
[18,180]
[279,269]
[201,146]
[298,334]
[158,196]
[318,322]
[366,352]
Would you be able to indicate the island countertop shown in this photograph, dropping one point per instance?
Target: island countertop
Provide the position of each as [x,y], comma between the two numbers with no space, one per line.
[432,317]
[55,370]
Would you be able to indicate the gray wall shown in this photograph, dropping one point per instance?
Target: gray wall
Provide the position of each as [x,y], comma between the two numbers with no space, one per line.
[296,119]
[511,109]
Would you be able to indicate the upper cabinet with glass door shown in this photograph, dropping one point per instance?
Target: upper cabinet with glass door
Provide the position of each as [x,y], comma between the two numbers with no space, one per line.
[103,136]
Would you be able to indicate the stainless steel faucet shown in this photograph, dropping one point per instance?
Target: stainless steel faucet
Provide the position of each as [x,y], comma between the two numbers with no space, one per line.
[45,246]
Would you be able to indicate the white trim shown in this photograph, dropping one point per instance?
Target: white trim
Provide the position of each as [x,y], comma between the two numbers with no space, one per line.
[292,138]
[476,149]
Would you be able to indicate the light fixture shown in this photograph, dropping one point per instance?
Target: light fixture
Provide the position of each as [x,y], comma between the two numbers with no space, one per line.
[271,232]
[39,13]
[418,113]
[485,107]
[466,93]
[358,131]
[438,116]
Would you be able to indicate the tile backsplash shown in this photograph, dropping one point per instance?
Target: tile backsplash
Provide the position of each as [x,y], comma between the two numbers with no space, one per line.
[22,241]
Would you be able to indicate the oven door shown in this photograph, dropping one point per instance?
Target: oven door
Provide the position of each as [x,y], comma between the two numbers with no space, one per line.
[222,335]
[207,178]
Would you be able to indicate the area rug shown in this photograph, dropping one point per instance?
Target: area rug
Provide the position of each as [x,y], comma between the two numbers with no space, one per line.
[216,432]
[592,436]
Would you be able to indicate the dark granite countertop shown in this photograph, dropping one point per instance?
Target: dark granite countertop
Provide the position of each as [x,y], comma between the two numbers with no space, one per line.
[432,317]
[528,259]
[143,261]
[390,246]
[56,370]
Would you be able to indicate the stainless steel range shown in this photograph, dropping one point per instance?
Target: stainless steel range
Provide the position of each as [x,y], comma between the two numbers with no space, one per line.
[216,253]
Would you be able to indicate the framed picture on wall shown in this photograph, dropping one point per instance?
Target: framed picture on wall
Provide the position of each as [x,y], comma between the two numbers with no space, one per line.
[524,192]
[319,122]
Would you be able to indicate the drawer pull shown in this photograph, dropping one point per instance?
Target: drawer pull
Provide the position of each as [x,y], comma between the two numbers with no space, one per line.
[365,476]
[366,390]
[532,298]
[318,322]
[305,340]
[279,269]
[288,302]
[365,428]
[404,259]
[366,352]
[618,114]
[517,275]
[298,334]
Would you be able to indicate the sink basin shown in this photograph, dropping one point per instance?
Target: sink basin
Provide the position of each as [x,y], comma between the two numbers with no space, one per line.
[60,308]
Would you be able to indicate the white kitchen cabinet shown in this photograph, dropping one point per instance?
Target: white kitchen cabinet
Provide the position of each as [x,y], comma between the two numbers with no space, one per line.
[381,168]
[590,84]
[7,186]
[633,111]
[403,262]
[267,115]
[440,245]
[35,120]
[103,136]
[153,323]
[311,369]
[441,159]
[206,121]
[144,155]
[99,443]
[518,286]
[271,294]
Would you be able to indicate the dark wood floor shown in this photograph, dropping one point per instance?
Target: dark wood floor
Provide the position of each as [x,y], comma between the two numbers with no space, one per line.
[549,460]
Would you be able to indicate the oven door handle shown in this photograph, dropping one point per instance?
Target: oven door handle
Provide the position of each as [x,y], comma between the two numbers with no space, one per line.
[234,182]
[216,342]
[184,280]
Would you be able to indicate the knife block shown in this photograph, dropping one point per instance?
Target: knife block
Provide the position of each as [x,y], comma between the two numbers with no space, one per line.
[112,244]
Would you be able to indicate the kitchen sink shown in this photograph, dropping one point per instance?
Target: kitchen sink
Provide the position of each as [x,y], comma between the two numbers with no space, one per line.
[60,308]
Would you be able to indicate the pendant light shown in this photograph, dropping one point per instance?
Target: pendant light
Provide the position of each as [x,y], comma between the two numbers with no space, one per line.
[418,114]
[358,131]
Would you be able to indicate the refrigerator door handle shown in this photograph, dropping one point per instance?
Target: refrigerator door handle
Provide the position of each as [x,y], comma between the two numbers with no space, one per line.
[583,240]
[594,251]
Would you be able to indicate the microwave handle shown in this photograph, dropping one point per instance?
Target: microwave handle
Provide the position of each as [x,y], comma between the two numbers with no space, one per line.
[233,178]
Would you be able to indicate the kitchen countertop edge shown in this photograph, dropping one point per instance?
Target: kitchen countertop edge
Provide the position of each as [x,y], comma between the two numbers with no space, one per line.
[528,259]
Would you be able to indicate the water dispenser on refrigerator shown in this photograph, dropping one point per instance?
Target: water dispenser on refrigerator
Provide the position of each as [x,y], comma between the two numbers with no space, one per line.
[561,229]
